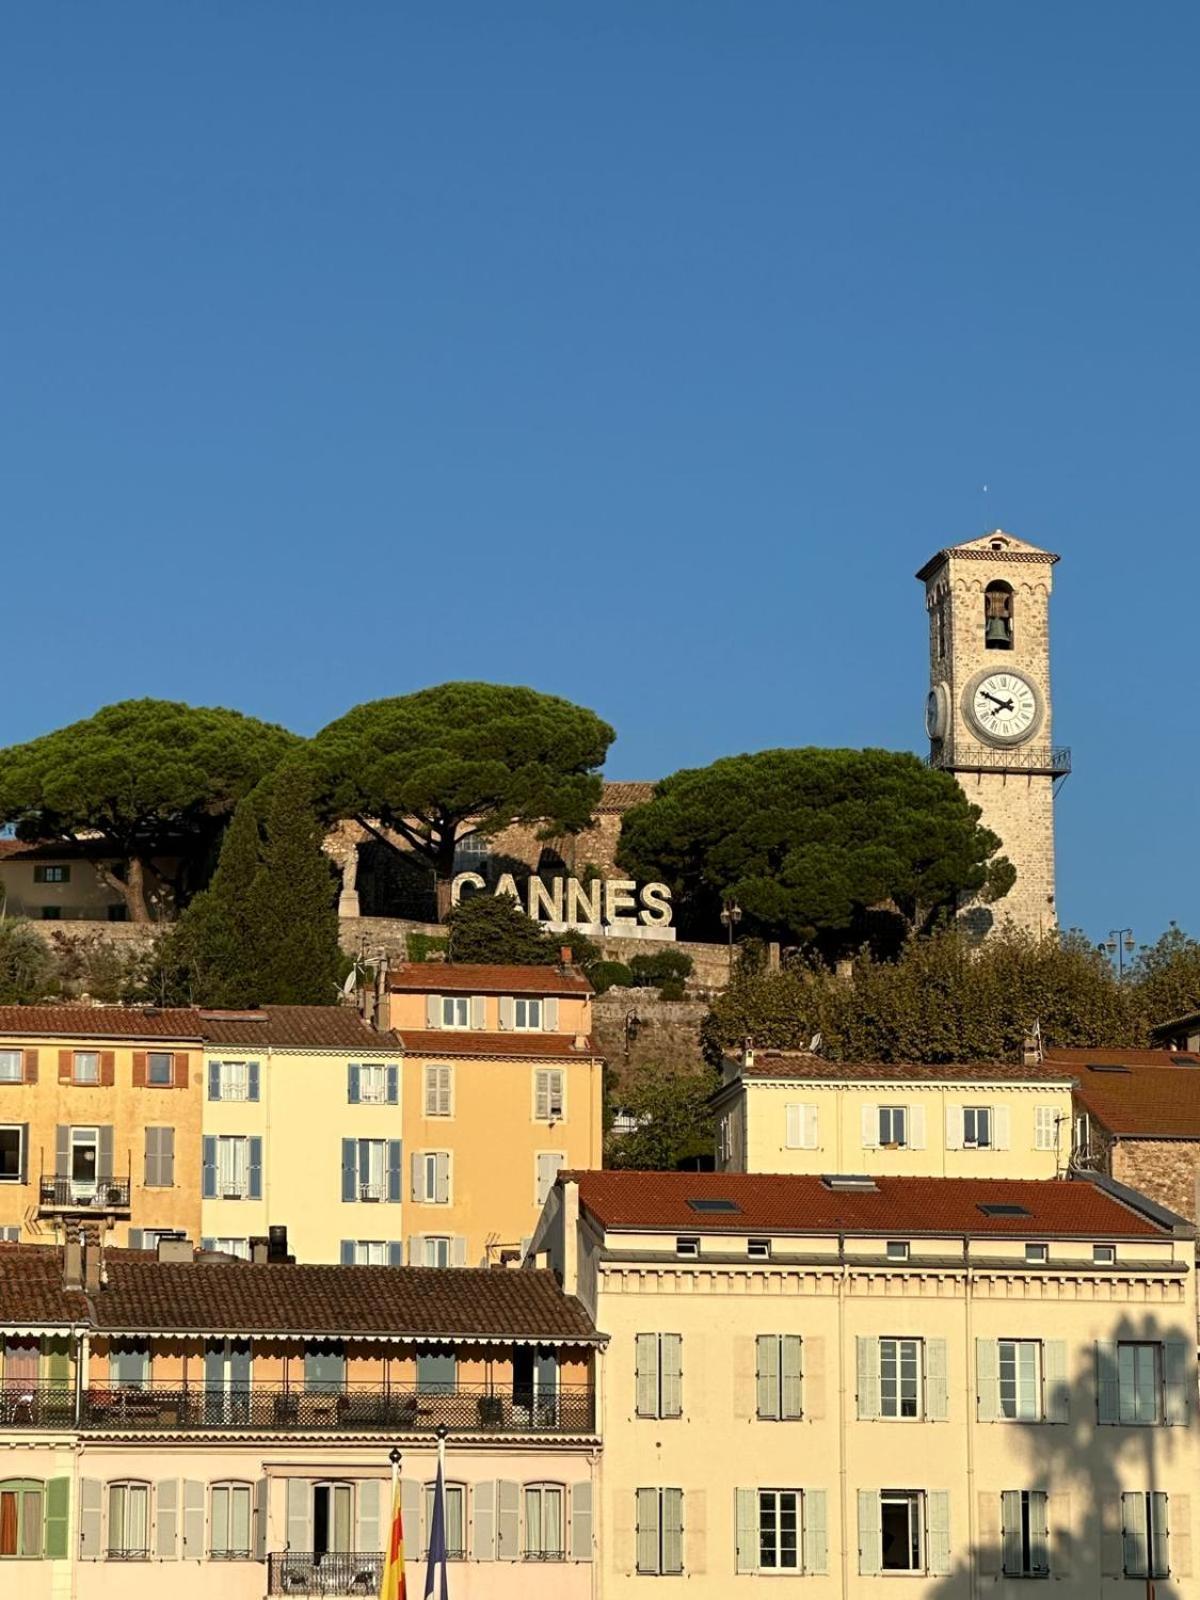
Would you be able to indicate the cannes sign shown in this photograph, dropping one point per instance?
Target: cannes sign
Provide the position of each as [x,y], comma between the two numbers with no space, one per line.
[614,906]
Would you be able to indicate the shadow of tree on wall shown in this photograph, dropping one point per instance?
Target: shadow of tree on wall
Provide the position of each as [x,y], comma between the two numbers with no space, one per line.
[1085,1466]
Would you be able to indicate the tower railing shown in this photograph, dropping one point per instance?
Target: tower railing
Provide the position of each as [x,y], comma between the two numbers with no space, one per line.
[1047,760]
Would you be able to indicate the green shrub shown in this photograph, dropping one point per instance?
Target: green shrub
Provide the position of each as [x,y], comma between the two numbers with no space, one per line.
[660,967]
[672,989]
[606,975]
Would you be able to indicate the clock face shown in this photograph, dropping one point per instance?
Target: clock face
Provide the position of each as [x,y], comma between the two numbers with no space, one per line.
[936,711]
[1004,707]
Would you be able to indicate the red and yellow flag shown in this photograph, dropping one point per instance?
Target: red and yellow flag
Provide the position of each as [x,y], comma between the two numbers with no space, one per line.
[392,1585]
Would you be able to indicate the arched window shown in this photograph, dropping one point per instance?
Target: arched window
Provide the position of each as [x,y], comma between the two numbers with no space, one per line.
[21,1517]
[998,616]
[456,1519]
[544,1523]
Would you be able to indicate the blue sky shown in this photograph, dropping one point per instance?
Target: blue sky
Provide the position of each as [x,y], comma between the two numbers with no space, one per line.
[639,351]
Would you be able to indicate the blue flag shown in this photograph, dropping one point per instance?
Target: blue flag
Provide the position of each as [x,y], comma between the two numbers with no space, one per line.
[437,1546]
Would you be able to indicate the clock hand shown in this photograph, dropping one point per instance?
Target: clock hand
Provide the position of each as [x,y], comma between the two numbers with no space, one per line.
[1003,705]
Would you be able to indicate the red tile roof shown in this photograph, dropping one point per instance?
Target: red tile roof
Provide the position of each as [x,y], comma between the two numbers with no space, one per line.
[443,1042]
[100,1022]
[1076,1058]
[31,1287]
[777,1203]
[444,977]
[1144,1102]
[297,1028]
[793,1064]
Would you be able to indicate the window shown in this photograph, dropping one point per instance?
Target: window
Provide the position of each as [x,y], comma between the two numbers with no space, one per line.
[12,1151]
[230,1518]
[439,1091]
[1104,1255]
[12,1066]
[758,1249]
[437,1370]
[21,1502]
[1020,1379]
[900,1378]
[659,1374]
[232,1247]
[86,1066]
[325,1367]
[544,1522]
[456,1011]
[372,1169]
[160,1158]
[548,1094]
[370,1253]
[900,1531]
[547,1166]
[233,1168]
[1037,1254]
[435,1250]
[977,1127]
[160,1069]
[128,1521]
[1138,1383]
[893,1127]
[373,1083]
[1083,1137]
[778,1530]
[51,874]
[1024,1534]
[527,1015]
[431,1177]
[455,1503]
[233,1080]
[1144,1535]
[998,616]
[660,1531]
[778,1377]
[898,1250]
[689,1246]
[129,1364]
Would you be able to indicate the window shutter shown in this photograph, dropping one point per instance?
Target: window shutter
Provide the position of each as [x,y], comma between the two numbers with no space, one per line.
[418,1188]
[349,1169]
[433,1010]
[208,1185]
[1179,1373]
[550,1015]
[30,1075]
[393,1084]
[395,1253]
[58,1518]
[1157,1553]
[1010,1530]
[208,1242]
[478,1011]
[193,1520]
[1110,1536]
[988,1559]
[816,1537]
[1057,1394]
[1039,1532]
[791,1354]
[1180,1525]
[139,1069]
[937,1397]
[135,1238]
[181,1069]
[746,1510]
[1135,1551]
[507,1015]
[987,1379]
[214,1080]
[431,1073]
[353,1077]
[581,1521]
[299,1515]
[458,1251]
[65,1066]
[672,1531]
[261,1492]
[151,1174]
[255,1188]
[795,1134]
[938,1508]
[166,1157]
[813,1396]
[766,1377]
[483,1522]
[104,1152]
[954,1127]
[442,1178]
[1108,1383]
[870,1127]
[395,1158]
[541,1095]
[347,1253]
[868,1384]
[870,1541]
[1000,1127]
[108,1068]
[647,1531]
[671,1345]
[166,1519]
[24,1156]
[1045,1127]
[62,1150]
[253,1080]
[916,1127]
[410,1512]
[812,1128]
[508,1506]
[91,1497]
[646,1377]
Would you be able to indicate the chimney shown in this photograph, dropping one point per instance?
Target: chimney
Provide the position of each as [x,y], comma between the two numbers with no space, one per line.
[91,1266]
[566,956]
[277,1245]
[259,1251]
[73,1263]
[748,1052]
[1031,1054]
[178,1252]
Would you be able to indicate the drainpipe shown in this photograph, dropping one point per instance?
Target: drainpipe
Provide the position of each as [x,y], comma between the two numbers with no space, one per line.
[843,1486]
[969,1366]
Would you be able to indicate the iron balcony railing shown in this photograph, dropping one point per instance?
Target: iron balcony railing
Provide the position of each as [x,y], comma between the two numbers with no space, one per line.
[301,1572]
[353,1408]
[70,1194]
[1044,760]
[37,1405]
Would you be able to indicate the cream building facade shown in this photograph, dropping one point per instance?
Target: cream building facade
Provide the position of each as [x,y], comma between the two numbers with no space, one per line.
[886,1385]
[988,711]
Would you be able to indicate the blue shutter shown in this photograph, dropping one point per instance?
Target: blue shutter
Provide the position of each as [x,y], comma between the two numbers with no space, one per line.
[135,1238]
[256,1168]
[214,1080]
[349,1168]
[347,1257]
[208,1242]
[208,1186]
[352,1083]
[252,1080]
[393,1085]
[393,1158]
[395,1253]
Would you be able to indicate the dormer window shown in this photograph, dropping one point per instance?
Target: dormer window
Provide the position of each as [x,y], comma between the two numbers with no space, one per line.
[527,1015]
[998,616]
[456,1011]
[688,1246]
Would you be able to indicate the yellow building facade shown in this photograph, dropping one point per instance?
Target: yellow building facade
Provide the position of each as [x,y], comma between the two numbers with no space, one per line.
[779,1111]
[894,1386]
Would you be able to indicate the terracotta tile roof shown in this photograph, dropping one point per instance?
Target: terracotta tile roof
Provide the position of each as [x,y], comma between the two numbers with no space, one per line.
[296,1028]
[31,1287]
[776,1203]
[447,977]
[1076,1058]
[100,1022]
[792,1064]
[1144,1102]
[623,796]
[454,1302]
[443,1042]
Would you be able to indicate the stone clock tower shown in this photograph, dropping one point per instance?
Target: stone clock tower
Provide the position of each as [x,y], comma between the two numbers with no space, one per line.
[988,709]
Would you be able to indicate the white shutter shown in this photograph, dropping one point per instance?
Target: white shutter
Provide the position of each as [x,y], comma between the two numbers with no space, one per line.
[541,1095]
[367,1534]
[1045,1128]
[647,1531]
[549,1164]
[987,1379]
[1179,1375]
[1135,1549]
[433,1010]
[812,1128]
[868,1381]
[870,1541]
[299,1514]
[478,1011]
[746,1507]
[870,1127]
[442,1178]
[1039,1532]
[646,1375]
[166,1518]
[791,1376]
[937,1392]
[431,1094]
[445,1089]
[954,1127]
[938,1557]
[916,1127]
[550,1015]
[1000,1126]
[1055,1390]
[795,1127]
[91,1501]
[1108,1383]
[483,1522]
[816,1535]
[766,1377]
[1010,1528]
[507,1012]
[672,1530]
[671,1345]
[193,1520]
[508,1512]
[418,1184]
[581,1521]
[410,1512]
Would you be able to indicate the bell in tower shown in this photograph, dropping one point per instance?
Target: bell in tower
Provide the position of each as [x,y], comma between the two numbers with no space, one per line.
[998,616]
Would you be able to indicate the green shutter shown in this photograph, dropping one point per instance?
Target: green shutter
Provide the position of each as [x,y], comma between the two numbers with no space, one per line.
[58,1518]
[58,1362]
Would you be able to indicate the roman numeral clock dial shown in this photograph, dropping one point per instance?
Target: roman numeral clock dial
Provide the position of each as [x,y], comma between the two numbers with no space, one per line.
[1004,707]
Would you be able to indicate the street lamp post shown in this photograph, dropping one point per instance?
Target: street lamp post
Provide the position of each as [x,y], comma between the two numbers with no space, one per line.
[1120,943]
[731,915]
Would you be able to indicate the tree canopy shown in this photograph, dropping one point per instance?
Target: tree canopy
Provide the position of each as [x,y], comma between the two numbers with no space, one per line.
[671,1116]
[151,777]
[809,841]
[462,758]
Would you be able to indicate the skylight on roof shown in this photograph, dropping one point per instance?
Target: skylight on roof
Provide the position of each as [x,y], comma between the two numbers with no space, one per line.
[1107,1066]
[861,1181]
[990,1210]
[713,1205]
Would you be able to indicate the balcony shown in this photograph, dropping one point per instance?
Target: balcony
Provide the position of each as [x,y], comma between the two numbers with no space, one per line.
[37,1405]
[109,1196]
[1050,761]
[298,1572]
[355,1408]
